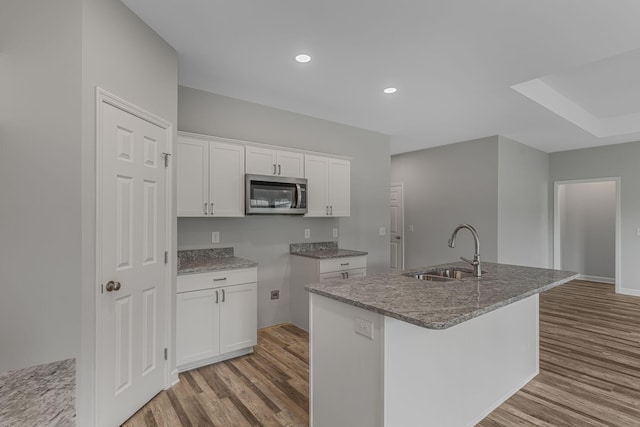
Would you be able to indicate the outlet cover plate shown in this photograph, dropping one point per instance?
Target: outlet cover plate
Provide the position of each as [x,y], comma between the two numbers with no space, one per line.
[275,294]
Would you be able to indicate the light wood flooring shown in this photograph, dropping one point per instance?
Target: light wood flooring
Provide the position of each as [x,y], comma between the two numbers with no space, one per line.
[589,373]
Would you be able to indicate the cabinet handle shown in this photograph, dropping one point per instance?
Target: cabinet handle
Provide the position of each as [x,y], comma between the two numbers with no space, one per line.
[212,211]
[347,273]
[274,168]
[206,211]
[220,280]
[344,275]
[331,210]
[327,209]
[216,297]
[223,295]
[346,263]
[279,170]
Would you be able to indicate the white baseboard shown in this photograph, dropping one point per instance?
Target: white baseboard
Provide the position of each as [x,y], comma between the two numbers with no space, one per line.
[174,377]
[632,292]
[215,359]
[491,408]
[597,279]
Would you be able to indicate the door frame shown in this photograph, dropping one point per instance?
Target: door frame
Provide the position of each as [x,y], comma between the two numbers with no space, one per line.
[104,97]
[556,224]
[404,252]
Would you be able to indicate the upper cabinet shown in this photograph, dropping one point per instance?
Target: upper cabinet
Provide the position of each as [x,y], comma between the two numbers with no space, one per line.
[328,186]
[210,176]
[267,161]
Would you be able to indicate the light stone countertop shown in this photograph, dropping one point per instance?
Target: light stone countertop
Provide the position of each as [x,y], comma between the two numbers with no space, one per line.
[42,395]
[322,250]
[205,260]
[440,305]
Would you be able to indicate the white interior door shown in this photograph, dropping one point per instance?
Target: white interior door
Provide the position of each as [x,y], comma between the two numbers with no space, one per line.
[396,228]
[131,318]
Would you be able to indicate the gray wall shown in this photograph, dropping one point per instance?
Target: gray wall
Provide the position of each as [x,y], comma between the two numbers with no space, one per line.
[122,55]
[523,207]
[443,187]
[267,239]
[40,182]
[588,228]
[620,160]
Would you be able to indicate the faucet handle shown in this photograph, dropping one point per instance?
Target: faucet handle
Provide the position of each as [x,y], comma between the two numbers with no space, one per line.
[474,262]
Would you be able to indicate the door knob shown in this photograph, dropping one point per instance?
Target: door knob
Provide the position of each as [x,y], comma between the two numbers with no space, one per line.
[398,237]
[112,286]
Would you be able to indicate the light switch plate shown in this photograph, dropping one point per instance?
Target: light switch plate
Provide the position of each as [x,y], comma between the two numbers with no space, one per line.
[411,227]
[215,237]
[307,233]
[383,231]
[335,233]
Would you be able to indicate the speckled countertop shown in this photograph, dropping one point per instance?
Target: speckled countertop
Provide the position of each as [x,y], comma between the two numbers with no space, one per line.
[204,260]
[440,305]
[322,250]
[42,395]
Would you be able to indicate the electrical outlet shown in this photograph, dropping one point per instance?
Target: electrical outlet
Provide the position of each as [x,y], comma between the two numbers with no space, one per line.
[275,294]
[215,237]
[364,327]
[307,233]
[383,231]
[335,233]
[411,227]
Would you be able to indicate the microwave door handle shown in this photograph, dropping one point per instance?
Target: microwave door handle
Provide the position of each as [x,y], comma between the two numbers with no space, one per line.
[298,196]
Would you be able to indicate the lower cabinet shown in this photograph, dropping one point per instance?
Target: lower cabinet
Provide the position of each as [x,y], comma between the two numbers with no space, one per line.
[311,270]
[214,323]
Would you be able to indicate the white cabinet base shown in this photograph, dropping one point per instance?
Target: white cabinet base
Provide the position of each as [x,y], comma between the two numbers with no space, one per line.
[412,376]
[215,359]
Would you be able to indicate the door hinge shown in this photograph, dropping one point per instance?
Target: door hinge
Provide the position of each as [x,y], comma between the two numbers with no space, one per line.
[166,354]
[165,156]
[166,257]
[102,288]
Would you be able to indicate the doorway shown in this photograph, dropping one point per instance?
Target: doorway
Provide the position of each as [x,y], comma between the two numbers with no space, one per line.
[587,228]
[396,228]
[133,274]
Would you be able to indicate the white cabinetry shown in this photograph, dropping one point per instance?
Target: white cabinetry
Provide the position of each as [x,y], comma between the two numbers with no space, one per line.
[329,186]
[210,177]
[266,161]
[216,316]
[306,270]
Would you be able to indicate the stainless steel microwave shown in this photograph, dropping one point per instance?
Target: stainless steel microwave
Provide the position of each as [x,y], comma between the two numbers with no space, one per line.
[275,195]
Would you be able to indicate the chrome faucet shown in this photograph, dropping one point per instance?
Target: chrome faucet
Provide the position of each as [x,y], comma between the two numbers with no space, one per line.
[477,269]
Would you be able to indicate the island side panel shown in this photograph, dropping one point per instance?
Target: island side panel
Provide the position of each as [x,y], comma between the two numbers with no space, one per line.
[457,376]
[346,372]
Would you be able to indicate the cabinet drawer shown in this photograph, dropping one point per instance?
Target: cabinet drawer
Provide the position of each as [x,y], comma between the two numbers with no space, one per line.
[339,275]
[342,264]
[216,279]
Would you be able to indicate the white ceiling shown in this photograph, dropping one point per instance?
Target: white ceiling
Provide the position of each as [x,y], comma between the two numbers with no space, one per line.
[454,63]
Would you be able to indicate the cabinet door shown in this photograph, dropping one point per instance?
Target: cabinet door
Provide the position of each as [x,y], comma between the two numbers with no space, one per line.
[261,161]
[238,317]
[316,170]
[226,179]
[192,156]
[197,329]
[339,187]
[290,164]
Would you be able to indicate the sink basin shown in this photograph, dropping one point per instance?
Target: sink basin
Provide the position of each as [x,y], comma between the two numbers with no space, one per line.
[443,274]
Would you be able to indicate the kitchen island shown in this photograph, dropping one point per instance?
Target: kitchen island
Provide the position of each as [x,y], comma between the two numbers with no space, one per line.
[392,350]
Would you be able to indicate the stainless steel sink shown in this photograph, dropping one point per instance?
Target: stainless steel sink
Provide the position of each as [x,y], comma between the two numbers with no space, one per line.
[442,274]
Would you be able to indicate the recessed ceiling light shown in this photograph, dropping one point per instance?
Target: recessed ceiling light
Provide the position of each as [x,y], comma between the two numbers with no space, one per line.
[303,58]
[390,90]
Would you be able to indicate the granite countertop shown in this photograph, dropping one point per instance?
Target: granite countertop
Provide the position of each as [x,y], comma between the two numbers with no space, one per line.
[322,250]
[205,260]
[42,395]
[440,305]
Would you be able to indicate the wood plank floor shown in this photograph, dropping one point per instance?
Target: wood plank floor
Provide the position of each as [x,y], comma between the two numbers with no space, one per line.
[589,373]
[267,388]
[589,362]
